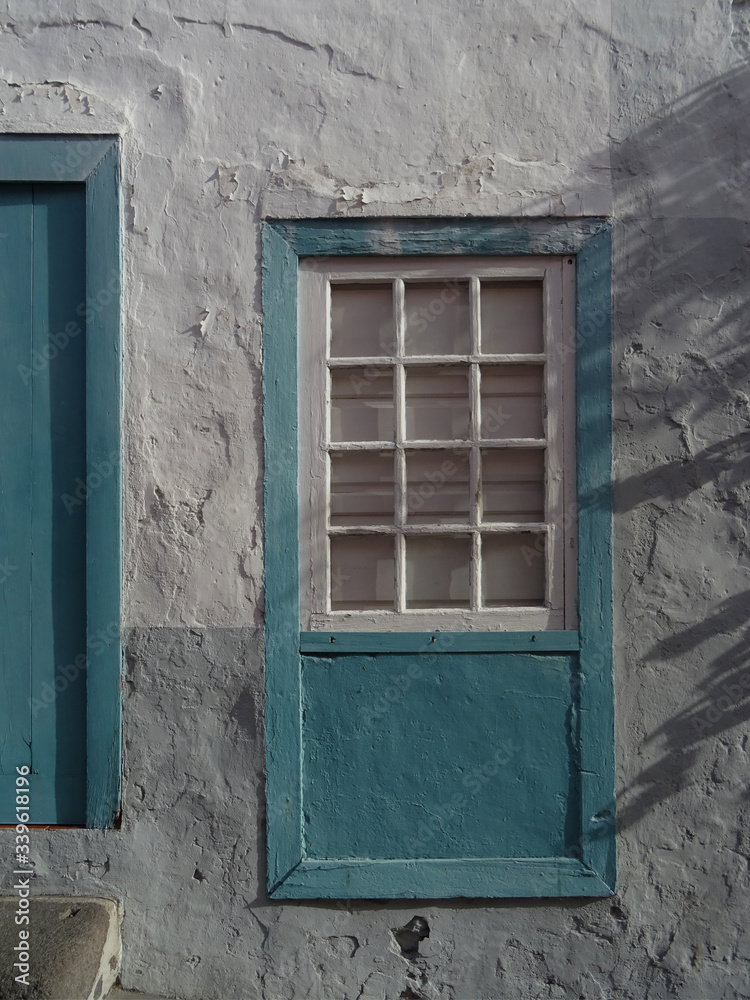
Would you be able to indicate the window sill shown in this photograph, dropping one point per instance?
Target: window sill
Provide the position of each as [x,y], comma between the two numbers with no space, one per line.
[439,642]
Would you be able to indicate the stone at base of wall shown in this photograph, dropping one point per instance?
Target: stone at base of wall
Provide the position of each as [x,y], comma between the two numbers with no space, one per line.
[120,994]
[73,944]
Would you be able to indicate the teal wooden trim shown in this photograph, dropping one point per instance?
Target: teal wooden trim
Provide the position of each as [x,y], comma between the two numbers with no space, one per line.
[290,875]
[441,879]
[282,656]
[94,160]
[16,220]
[58,462]
[51,158]
[594,487]
[55,800]
[104,481]
[311,237]
[331,643]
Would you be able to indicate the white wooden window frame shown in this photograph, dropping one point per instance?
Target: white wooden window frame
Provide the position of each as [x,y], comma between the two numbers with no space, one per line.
[557,275]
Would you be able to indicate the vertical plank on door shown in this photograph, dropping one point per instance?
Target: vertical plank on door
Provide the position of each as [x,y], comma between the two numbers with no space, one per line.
[15,487]
[59,489]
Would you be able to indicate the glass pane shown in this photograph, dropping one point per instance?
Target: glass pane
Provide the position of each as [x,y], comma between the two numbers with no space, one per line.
[362,404]
[361,487]
[512,316]
[513,485]
[437,487]
[437,403]
[362,321]
[512,401]
[362,568]
[513,569]
[437,317]
[438,571]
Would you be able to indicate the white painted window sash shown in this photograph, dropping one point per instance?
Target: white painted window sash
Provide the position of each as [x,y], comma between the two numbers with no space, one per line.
[399,394]
[316,365]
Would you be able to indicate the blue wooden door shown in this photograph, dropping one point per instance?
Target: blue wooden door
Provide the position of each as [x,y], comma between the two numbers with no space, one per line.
[43,499]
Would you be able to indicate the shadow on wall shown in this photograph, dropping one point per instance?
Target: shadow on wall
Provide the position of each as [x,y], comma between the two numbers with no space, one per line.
[680,385]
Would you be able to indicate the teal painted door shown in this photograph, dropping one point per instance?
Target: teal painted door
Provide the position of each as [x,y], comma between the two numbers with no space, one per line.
[43,499]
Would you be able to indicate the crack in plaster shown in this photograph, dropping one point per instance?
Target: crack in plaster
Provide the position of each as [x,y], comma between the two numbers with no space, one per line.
[228,26]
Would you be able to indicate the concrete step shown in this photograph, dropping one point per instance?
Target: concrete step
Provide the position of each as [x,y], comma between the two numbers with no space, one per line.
[73,945]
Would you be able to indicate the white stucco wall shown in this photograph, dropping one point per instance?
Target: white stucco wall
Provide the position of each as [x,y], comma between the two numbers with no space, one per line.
[231,111]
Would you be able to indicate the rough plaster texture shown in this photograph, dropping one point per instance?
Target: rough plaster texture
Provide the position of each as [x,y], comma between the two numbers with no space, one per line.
[232,110]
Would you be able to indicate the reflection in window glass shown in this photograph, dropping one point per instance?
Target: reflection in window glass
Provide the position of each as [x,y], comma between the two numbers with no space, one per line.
[437,317]
[513,569]
[437,403]
[438,571]
[362,404]
[362,572]
[362,321]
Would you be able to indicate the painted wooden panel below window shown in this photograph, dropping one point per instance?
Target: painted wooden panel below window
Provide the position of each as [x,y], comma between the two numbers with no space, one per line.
[456,756]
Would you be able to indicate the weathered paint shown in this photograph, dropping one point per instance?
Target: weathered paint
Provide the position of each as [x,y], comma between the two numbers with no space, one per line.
[519,878]
[594,491]
[77,544]
[282,719]
[43,455]
[57,452]
[104,502]
[438,642]
[588,242]
[51,158]
[438,236]
[458,756]
[16,222]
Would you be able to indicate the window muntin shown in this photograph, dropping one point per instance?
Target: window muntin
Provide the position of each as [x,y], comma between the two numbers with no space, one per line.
[434,407]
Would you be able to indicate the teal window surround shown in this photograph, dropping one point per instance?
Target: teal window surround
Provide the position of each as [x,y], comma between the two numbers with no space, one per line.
[94,161]
[589,868]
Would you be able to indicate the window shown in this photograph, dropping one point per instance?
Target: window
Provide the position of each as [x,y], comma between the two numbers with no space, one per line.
[439,714]
[60,477]
[436,451]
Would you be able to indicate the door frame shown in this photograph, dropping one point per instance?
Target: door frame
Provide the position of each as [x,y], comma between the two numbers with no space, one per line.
[95,161]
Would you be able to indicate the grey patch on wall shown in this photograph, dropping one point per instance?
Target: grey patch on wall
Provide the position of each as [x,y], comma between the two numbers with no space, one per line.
[244,714]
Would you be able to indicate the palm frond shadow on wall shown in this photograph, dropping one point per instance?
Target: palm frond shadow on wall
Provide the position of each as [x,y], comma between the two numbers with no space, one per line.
[682,190]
